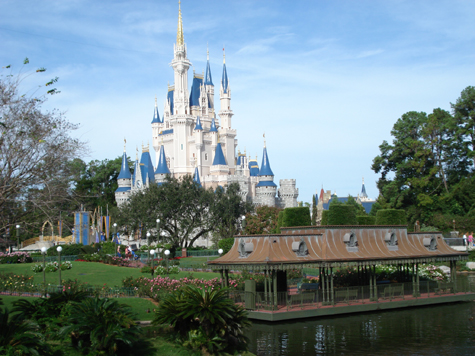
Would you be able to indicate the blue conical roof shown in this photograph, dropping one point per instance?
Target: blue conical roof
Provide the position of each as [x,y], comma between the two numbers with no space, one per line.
[196,177]
[146,167]
[198,124]
[265,166]
[162,167]
[170,98]
[219,156]
[195,91]
[363,191]
[124,168]
[224,80]
[208,79]
[253,168]
[213,126]
[156,116]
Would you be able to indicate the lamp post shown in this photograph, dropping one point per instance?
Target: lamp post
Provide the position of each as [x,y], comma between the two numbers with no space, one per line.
[243,224]
[43,252]
[18,237]
[167,252]
[158,228]
[148,245]
[59,249]
[220,251]
[115,231]
[153,253]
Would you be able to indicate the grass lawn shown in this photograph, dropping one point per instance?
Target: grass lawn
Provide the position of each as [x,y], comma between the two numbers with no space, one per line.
[93,273]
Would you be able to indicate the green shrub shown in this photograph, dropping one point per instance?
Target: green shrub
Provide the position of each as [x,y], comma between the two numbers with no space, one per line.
[295,217]
[68,250]
[109,248]
[88,250]
[226,244]
[391,217]
[340,214]
[324,217]
[366,220]
[146,269]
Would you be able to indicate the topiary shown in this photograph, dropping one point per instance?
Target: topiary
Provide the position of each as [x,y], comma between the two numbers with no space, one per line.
[366,220]
[341,214]
[391,217]
[299,216]
[324,217]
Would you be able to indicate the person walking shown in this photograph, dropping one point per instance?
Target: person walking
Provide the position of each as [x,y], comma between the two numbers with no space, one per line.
[465,238]
[470,238]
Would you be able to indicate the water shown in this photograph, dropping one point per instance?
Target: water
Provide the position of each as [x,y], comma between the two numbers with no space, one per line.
[443,330]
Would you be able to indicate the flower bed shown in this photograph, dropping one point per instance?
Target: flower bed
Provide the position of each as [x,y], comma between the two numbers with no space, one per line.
[15,257]
[156,287]
[16,283]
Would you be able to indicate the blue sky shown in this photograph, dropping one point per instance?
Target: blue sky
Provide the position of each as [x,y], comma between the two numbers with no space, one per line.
[325,80]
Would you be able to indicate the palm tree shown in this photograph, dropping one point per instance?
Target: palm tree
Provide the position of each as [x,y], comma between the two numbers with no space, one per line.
[20,338]
[101,326]
[205,314]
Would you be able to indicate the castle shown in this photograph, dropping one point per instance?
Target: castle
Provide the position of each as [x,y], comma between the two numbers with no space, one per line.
[189,138]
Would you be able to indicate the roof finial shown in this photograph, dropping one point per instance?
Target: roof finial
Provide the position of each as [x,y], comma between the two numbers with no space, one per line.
[264,135]
[156,101]
[125,141]
[224,56]
[179,35]
[207,51]
[363,180]
[137,153]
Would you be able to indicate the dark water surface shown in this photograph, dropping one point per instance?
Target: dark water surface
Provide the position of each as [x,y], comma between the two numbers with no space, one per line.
[443,330]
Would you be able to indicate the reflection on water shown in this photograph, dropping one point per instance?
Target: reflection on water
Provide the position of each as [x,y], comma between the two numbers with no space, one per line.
[437,330]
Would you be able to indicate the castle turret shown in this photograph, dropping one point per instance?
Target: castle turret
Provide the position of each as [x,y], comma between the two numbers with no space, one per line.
[266,188]
[196,177]
[162,167]
[123,181]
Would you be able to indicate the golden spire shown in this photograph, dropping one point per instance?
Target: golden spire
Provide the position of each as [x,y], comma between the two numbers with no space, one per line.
[179,35]
[125,141]
[224,56]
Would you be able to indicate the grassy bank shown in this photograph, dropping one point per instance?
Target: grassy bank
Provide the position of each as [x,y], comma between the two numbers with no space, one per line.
[93,273]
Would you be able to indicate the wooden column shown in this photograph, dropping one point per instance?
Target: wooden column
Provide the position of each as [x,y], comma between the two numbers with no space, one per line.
[332,294]
[274,277]
[265,285]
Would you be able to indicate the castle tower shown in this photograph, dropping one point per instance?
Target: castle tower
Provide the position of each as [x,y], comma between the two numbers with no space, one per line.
[196,177]
[288,193]
[162,167]
[266,188]
[226,134]
[146,167]
[209,86]
[123,180]
[181,119]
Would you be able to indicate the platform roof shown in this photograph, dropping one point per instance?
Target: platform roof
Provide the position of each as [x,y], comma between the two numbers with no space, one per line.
[328,246]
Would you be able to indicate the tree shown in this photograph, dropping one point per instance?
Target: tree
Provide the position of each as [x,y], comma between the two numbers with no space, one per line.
[314,210]
[358,207]
[186,210]
[95,183]
[101,326]
[464,113]
[205,318]
[264,221]
[229,208]
[35,147]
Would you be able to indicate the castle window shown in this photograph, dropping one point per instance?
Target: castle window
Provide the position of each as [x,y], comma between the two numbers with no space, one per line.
[168,162]
[206,156]
[182,147]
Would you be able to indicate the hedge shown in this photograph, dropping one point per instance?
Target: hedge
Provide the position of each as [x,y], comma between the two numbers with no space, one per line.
[341,215]
[366,220]
[324,217]
[391,217]
[295,217]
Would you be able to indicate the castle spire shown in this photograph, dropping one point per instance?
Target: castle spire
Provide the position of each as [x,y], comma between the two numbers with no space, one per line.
[224,80]
[179,35]
[156,116]
[208,79]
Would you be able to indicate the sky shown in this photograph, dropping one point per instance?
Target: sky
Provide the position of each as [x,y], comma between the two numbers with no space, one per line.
[324,80]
